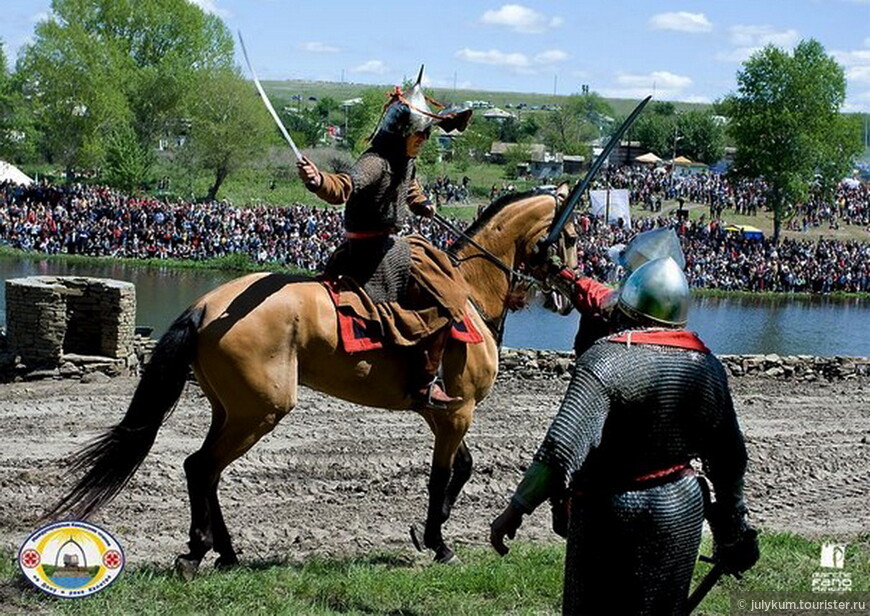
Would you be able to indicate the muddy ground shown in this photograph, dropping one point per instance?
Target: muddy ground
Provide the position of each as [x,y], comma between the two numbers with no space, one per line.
[335,478]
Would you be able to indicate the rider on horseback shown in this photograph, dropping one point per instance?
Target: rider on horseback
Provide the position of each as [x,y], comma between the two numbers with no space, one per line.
[416,292]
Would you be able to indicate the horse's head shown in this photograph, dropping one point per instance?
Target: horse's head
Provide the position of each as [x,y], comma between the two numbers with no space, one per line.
[510,229]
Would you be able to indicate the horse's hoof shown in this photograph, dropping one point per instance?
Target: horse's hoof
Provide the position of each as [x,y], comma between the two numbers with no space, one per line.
[415,538]
[186,568]
[446,556]
[226,562]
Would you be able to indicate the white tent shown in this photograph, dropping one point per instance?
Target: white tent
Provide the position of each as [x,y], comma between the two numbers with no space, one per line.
[611,203]
[9,172]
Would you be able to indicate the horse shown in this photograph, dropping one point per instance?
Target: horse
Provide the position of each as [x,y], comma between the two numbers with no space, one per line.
[254,340]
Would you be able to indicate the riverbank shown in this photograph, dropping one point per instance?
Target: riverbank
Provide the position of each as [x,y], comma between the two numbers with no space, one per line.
[243,264]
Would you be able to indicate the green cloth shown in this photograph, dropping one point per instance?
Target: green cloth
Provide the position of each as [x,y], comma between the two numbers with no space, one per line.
[535,487]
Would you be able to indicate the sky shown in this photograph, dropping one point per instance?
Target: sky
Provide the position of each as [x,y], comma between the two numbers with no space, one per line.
[689,50]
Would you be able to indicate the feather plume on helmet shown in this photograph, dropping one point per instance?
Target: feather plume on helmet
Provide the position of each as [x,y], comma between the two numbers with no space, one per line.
[410,112]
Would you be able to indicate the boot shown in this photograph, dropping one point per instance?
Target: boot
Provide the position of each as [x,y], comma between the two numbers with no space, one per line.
[429,391]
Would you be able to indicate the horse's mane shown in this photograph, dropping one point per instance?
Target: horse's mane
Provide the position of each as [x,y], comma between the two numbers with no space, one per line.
[491,210]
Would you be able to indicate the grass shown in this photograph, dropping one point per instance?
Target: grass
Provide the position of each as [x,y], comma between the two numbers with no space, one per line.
[527,581]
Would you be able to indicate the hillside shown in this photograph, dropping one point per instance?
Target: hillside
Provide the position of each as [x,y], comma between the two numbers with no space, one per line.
[282,91]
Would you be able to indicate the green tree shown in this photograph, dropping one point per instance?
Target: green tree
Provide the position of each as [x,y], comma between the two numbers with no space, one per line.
[362,119]
[564,130]
[98,65]
[701,138]
[656,133]
[786,123]
[228,124]
[128,161]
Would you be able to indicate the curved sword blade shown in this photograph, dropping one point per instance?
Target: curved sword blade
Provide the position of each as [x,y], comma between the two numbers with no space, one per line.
[562,217]
[268,103]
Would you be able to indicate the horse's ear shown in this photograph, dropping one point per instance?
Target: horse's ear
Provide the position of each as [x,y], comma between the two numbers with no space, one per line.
[562,192]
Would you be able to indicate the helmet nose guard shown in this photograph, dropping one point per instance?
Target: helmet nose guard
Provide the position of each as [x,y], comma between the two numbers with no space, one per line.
[658,291]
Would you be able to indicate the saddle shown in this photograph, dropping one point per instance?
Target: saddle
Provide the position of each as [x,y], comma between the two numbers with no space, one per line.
[364,325]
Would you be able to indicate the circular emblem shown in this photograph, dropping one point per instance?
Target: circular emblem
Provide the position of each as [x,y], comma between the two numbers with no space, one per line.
[71,559]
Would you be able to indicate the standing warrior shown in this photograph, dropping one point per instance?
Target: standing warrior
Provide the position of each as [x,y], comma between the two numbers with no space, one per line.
[416,293]
[641,404]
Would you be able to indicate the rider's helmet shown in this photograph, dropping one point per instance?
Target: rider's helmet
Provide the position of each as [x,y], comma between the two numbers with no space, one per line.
[656,291]
[409,112]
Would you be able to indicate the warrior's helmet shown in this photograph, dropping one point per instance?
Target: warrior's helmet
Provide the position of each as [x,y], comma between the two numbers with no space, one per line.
[646,246]
[656,291]
[409,112]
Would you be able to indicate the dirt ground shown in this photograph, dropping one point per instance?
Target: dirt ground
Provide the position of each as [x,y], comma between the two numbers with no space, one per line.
[335,478]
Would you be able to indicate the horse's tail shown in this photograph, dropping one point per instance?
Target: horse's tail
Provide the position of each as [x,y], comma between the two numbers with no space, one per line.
[112,459]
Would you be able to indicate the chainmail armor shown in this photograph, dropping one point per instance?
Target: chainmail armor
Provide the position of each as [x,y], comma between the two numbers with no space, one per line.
[634,552]
[378,201]
[630,411]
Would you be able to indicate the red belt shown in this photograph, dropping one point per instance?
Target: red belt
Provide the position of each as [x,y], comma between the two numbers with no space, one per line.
[365,235]
[641,482]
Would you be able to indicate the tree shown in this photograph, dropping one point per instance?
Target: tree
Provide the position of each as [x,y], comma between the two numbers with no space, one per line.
[701,137]
[565,130]
[98,65]
[128,161]
[228,124]
[362,119]
[786,123]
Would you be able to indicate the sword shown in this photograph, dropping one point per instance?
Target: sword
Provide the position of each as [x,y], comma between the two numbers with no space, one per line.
[705,585]
[269,104]
[561,218]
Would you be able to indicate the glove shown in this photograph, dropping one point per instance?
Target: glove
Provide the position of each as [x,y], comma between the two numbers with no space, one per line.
[739,555]
[505,525]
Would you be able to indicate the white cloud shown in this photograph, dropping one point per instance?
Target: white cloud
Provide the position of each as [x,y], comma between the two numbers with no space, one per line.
[681,22]
[551,56]
[371,66]
[521,19]
[856,63]
[664,84]
[40,17]
[661,79]
[317,47]
[750,39]
[209,6]
[759,36]
[494,57]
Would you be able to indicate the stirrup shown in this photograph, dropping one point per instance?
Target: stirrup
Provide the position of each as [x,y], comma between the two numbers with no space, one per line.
[433,396]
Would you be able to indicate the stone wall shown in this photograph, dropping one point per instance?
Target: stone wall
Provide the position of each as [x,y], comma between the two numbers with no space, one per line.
[54,320]
[534,364]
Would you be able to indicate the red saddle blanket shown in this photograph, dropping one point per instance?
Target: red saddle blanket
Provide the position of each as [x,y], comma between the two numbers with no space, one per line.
[358,334]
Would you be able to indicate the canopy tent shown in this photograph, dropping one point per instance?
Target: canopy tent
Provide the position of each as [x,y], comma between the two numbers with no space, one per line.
[748,231]
[11,173]
[648,158]
[682,160]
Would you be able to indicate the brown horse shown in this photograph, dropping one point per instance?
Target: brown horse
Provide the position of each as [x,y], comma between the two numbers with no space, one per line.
[254,340]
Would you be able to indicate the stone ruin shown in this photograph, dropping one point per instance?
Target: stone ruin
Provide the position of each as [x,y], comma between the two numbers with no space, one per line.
[68,326]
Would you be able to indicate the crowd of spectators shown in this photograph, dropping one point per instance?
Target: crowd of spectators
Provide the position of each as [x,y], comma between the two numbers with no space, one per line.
[99,221]
[728,260]
[850,203]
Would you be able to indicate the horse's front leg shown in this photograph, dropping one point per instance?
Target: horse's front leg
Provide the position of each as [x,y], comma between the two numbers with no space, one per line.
[451,468]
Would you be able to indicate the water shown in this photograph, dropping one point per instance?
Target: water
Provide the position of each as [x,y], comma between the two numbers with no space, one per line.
[817,326]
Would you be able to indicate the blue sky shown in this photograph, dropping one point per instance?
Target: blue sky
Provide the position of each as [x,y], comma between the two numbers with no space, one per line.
[689,50]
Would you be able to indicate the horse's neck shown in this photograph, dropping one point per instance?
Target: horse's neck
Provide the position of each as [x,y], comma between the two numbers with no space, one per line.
[510,231]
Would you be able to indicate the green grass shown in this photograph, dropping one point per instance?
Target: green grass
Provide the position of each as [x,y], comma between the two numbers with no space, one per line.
[527,581]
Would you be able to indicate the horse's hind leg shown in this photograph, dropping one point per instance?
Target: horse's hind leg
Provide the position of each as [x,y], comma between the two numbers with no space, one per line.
[230,436]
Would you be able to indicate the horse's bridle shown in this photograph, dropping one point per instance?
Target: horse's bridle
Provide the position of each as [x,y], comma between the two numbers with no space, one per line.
[495,324]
